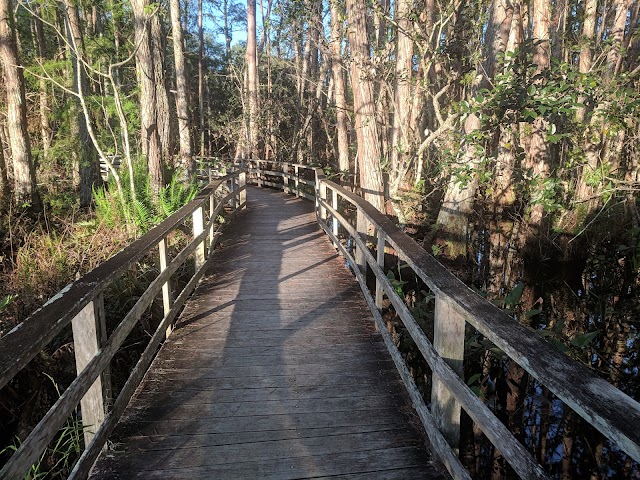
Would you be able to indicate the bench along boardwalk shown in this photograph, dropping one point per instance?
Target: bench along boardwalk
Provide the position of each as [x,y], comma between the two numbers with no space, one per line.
[274,369]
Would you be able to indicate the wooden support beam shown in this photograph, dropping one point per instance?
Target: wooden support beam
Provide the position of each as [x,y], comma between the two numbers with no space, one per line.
[166,287]
[198,227]
[448,341]
[89,334]
[380,259]
[285,178]
[362,226]
[297,180]
[242,184]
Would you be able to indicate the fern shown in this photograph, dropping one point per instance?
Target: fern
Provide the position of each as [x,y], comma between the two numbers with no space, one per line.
[143,212]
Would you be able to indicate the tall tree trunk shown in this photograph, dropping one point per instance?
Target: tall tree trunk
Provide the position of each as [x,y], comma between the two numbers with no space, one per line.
[337,36]
[617,36]
[182,95]
[24,175]
[400,140]
[315,8]
[45,126]
[201,77]
[587,36]
[86,160]
[459,199]
[163,108]
[252,79]
[151,143]
[364,105]
[537,159]
[5,188]
[503,199]
[226,30]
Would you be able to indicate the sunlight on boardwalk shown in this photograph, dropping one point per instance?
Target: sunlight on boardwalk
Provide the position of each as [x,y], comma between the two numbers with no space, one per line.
[274,370]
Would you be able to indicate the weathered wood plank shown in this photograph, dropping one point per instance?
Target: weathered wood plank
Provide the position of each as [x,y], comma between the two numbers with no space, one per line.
[293,467]
[364,418]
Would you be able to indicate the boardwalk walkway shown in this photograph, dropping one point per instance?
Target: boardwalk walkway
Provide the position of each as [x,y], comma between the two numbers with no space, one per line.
[274,370]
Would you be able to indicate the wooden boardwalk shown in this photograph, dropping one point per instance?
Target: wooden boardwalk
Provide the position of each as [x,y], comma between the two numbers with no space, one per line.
[274,370]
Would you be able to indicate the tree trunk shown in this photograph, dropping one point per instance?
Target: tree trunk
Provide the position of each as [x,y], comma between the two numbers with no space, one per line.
[314,77]
[182,95]
[5,188]
[616,34]
[503,199]
[163,109]
[151,143]
[45,126]
[364,105]
[201,75]
[252,80]
[337,36]
[537,159]
[86,160]
[226,30]
[24,175]
[401,136]
[458,203]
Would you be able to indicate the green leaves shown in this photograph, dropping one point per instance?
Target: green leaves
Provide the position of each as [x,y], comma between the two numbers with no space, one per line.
[514,295]
[6,301]
[585,339]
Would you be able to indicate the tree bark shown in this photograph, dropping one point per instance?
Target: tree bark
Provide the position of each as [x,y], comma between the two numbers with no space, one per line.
[252,80]
[201,77]
[459,199]
[24,175]
[402,114]
[537,159]
[337,36]
[163,109]
[45,126]
[86,160]
[151,142]
[617,36]
[182,95]
[5,188]
[362,83]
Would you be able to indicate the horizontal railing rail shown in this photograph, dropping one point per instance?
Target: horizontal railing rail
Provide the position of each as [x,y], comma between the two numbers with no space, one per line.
[612,412]
[81,304]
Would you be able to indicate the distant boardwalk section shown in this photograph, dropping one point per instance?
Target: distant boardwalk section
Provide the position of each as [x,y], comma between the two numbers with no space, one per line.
[274,370]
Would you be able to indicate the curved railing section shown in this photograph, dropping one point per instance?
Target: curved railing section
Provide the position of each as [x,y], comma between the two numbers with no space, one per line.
[613,413]
[81,304]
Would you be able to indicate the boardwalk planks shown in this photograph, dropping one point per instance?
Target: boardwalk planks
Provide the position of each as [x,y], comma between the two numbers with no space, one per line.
[274,370]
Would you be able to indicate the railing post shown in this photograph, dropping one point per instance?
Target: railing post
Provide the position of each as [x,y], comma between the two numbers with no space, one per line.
[232,189]
[323,196]
[89,333]
[335,227]
[198,227]
[297,180]
[285,178]
[242,184]
[166,287]
[258,173]
[448,340]
[362,227]
[380,259]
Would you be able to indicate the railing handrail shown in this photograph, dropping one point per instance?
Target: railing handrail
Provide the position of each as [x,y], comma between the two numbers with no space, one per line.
[611,411]
[81,301]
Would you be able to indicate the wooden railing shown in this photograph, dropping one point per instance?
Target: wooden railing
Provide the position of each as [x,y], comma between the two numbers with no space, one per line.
[82,305]
[613,413]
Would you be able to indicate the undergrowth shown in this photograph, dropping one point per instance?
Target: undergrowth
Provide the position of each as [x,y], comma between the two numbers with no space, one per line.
[39,257]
